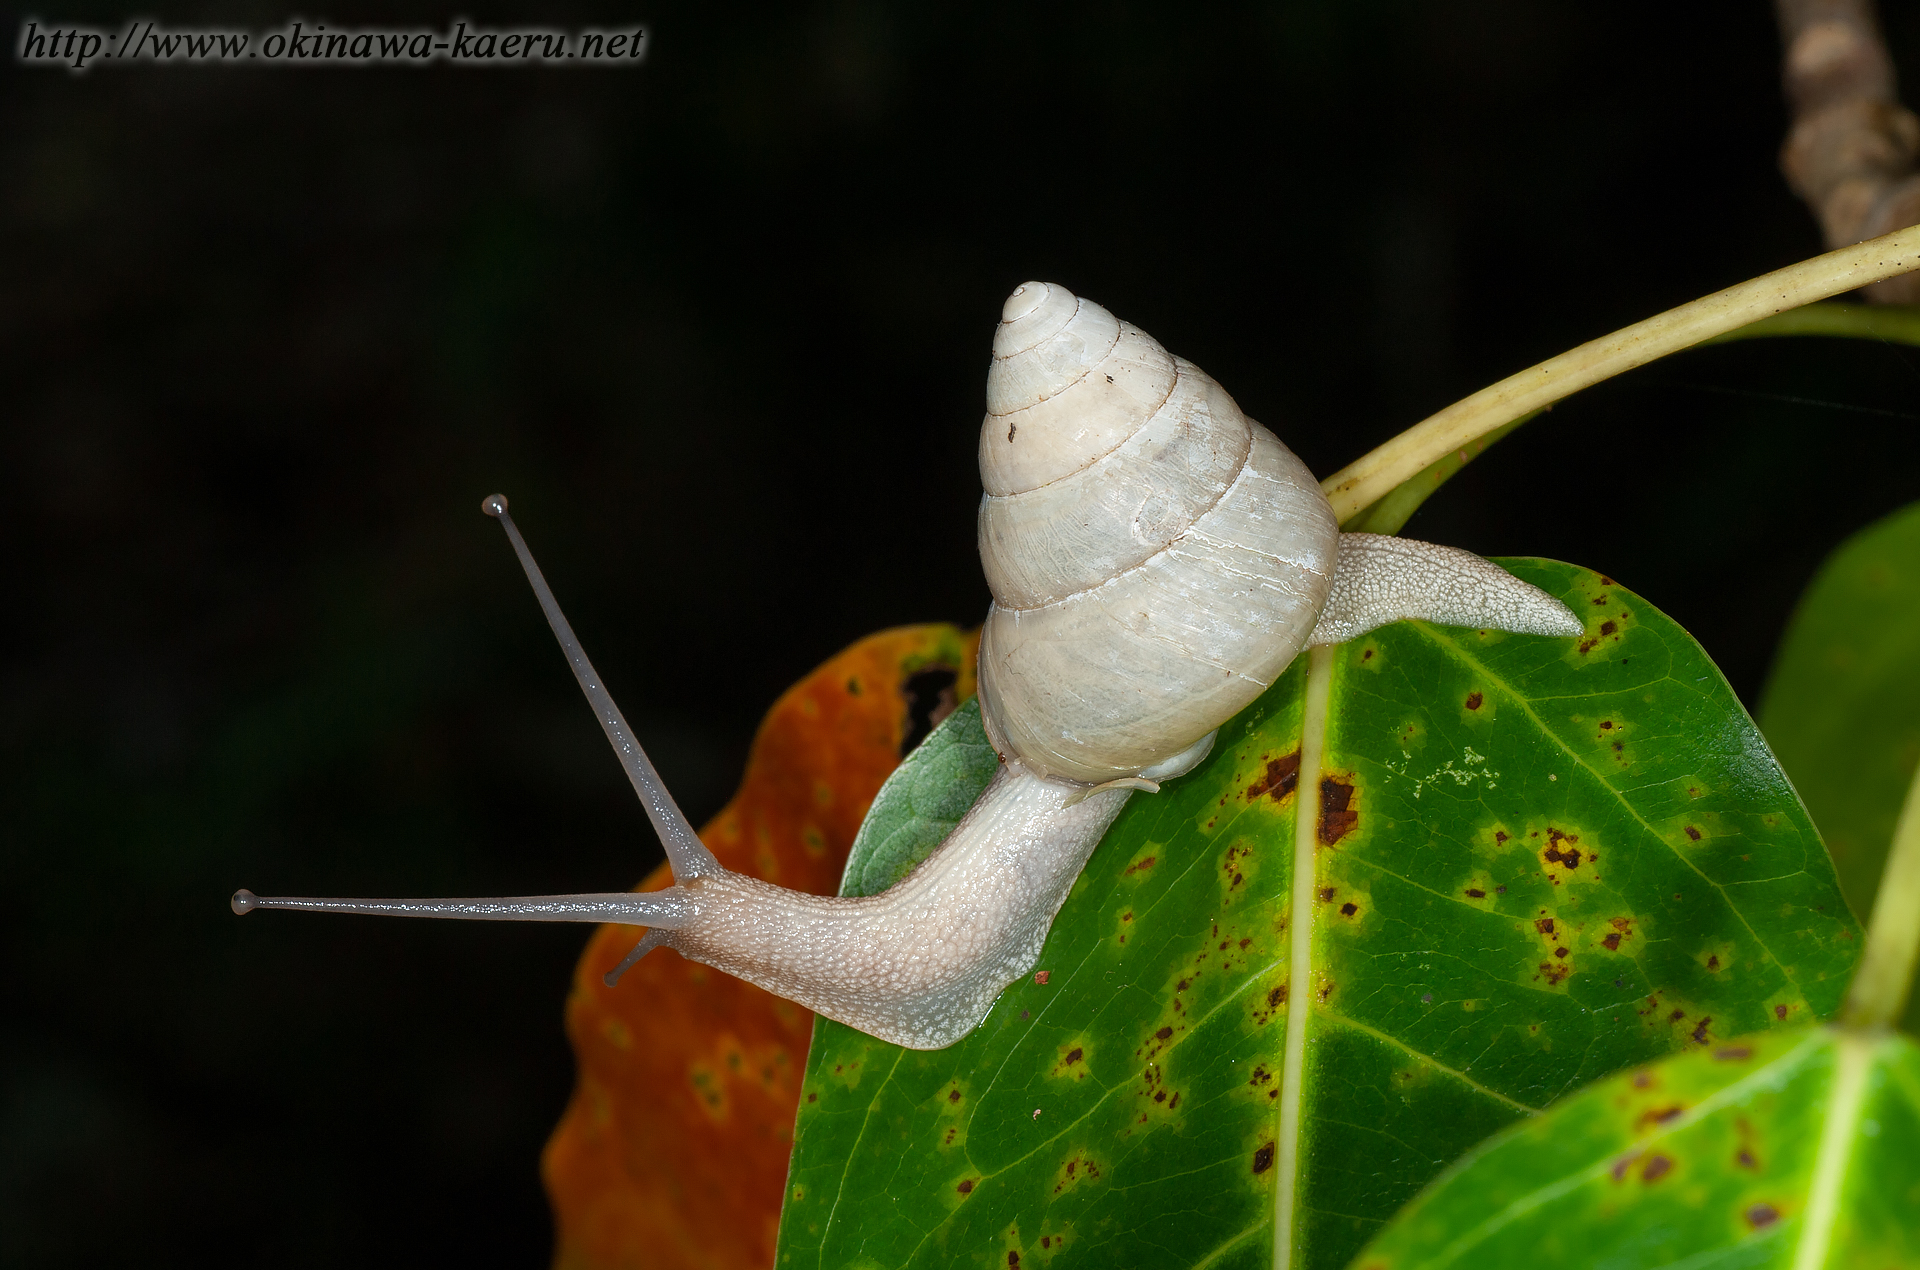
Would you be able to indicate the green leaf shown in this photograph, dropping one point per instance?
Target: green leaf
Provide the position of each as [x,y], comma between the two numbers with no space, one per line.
[921,801]
[1842,708]
[1799,1147]
[1488,800]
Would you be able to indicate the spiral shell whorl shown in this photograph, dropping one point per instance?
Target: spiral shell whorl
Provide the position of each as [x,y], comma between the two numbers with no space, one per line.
[1156,558]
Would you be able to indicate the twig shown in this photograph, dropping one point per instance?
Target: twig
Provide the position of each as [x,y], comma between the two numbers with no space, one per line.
[1850,149]
[1880,986]
[1369,477]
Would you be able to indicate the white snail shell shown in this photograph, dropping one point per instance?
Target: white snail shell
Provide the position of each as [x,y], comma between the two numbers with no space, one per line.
[1156,558]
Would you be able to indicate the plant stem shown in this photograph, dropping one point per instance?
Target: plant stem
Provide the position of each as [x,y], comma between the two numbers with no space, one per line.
[1370,477]
[1880,986]
[1392,512]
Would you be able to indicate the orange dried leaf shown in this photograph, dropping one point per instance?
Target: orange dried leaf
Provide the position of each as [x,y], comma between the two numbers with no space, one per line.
[673,1150]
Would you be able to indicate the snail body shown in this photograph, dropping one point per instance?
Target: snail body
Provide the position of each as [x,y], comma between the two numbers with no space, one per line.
[1156,561]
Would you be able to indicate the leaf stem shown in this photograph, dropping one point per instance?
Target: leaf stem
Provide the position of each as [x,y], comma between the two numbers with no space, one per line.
[1369,478]
[1880,986]
[1391,513]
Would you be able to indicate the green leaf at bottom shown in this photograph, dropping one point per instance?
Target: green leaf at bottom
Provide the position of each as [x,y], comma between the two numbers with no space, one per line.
[1536,862]
[1796,1148]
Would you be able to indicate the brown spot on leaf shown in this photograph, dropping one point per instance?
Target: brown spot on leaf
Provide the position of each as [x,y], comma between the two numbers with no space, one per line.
[1700,1032]
[1013,1259]
[1761,1216]
[1779,1011]
[953,1095]
[1338,816]
[1473,701]
[1657,1115]
[1277,997]
[1608,627]
[1327,992]
[1349,909]
[1713,961]
[1553,972]
[1544,925]
[1475,893]
[1559,850]
[1559,952]
[1657,1167]
[1263,1158]
[1676,1016]
[1075,1054]
[1279,780]
[1612,942]
[965,1187]
[1732,1053]
[1163,1034]
[1693,833]
[1327,893]
[1499,837]
[1141,866]
[1744,1158]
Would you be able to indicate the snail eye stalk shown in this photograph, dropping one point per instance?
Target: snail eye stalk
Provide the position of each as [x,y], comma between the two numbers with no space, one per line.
[685,852]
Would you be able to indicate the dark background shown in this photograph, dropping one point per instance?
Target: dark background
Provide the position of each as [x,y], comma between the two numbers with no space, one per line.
[718,325]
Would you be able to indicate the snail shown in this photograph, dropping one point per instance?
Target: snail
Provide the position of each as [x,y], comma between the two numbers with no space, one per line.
[1156,561]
